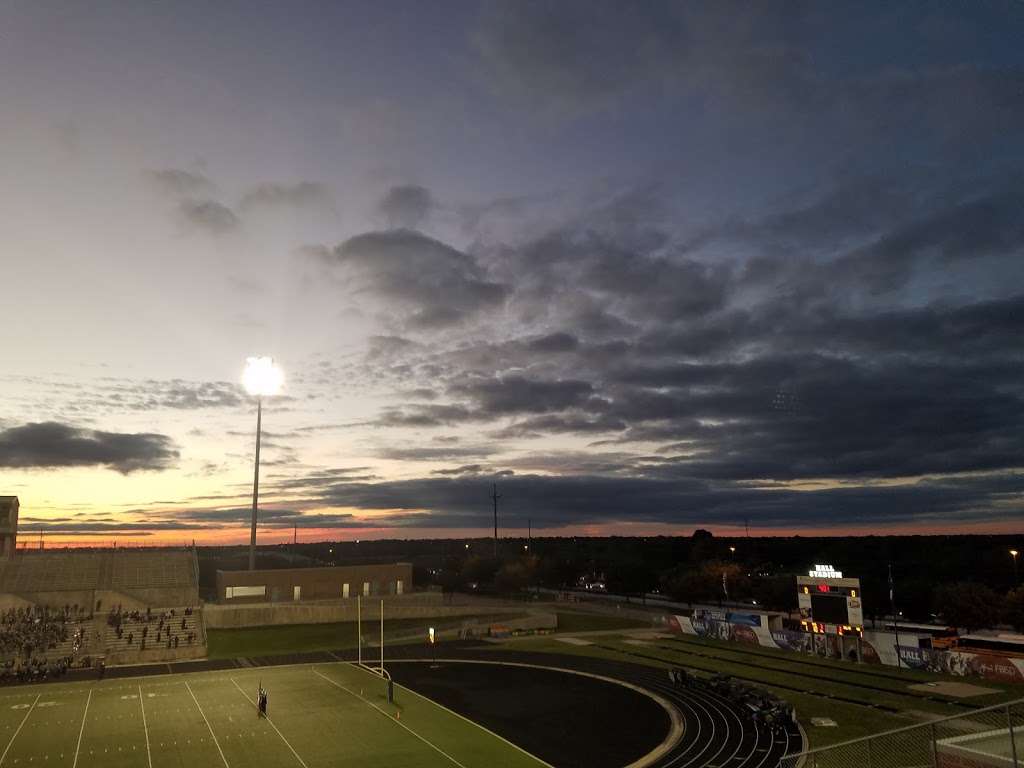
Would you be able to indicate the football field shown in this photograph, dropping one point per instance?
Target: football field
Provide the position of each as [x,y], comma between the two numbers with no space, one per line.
[318,716]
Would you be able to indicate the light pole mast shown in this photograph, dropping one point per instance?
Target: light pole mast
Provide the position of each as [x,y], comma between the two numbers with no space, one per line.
[260,379]
[255,485]
[494,498]
[892,610]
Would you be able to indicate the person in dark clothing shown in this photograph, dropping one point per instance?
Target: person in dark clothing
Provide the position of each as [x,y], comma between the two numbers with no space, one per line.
[261,702]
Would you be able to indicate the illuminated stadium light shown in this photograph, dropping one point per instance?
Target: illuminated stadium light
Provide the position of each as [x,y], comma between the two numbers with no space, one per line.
[262,377]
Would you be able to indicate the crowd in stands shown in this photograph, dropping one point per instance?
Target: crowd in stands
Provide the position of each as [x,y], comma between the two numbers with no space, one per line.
[171,627]
[39,642]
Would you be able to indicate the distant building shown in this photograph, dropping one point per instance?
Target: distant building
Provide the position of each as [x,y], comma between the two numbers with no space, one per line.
[294,584]
[8,526]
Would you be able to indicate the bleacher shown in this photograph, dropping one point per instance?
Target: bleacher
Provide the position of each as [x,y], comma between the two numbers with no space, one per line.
[87,585]
[134,572]
[159,627]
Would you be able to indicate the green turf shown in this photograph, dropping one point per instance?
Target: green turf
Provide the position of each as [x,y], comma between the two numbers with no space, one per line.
[569,621]
[320,716]
[297,638]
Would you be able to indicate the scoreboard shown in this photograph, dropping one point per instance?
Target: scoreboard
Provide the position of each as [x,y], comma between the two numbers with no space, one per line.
[830,603]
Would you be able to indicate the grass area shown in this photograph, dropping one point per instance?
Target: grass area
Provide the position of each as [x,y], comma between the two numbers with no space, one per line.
[319,715]
[299,638]
[595,622]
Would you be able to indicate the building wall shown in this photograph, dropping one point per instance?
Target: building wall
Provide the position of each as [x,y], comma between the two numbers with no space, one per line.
[298,584]
[8,526]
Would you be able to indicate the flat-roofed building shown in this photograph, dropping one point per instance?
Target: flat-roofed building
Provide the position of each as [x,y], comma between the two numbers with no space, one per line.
[292,584]
[8,526]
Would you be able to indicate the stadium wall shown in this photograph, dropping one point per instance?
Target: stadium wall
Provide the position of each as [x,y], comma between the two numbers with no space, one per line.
[876,647]
[415,606]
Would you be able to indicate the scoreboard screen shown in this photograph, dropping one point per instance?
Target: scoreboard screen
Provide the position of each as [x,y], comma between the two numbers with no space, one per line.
[829,608]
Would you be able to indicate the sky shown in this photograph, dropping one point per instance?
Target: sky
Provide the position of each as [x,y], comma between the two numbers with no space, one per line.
[648,267]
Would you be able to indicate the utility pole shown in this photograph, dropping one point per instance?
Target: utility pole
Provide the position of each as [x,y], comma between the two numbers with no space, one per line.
[746,523]
[529,534]
[494,498]
[255,485]
[895,625]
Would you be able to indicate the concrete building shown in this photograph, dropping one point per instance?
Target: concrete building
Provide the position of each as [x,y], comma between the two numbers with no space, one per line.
[8,526]
[295,584]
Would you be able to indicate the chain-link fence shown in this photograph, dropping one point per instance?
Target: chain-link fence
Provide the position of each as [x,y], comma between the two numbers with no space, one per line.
[992,737]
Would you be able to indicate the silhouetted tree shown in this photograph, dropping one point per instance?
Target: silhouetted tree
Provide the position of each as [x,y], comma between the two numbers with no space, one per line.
[1014,609]
[968,605]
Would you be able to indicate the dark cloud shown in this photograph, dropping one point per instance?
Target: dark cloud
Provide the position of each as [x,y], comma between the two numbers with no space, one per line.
[406,206]
[432,284]
[117,395]
[208,215]
[436,452]
[554,343]
[419,415]
[516,394]
[304,194]
[556,501]
[50,445]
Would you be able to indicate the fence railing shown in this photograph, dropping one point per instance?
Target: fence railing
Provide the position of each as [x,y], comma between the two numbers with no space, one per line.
[989,737]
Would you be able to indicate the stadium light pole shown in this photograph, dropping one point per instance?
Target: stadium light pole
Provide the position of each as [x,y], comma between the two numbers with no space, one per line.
[261,378]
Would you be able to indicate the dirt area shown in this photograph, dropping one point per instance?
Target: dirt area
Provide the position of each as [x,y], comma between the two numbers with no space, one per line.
[957,690]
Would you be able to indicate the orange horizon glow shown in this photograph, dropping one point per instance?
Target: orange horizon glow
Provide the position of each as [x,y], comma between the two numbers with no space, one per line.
[278,536]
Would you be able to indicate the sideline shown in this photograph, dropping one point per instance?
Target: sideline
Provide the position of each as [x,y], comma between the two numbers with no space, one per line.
[399,723]
[471,722]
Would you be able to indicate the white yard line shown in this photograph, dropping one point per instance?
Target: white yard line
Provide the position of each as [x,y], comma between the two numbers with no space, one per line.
[149,757]
[482,728]
[301,761]
[81,730]
[4,755]
[189,687]
[399,723]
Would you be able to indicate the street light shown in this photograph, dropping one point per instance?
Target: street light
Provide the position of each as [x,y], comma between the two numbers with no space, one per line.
[261,378]
[1014,553]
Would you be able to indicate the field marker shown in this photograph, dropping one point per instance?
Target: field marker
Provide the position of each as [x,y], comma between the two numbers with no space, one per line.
[4,755]
[145,727]
[189,688]
[267,718]
[81,730]
[396,722]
